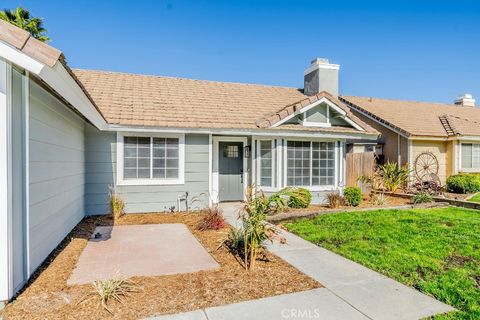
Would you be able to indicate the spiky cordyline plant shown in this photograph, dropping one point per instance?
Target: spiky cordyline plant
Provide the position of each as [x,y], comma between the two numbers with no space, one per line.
[255,229]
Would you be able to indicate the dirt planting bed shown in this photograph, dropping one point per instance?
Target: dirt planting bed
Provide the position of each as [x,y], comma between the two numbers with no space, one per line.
[48,296]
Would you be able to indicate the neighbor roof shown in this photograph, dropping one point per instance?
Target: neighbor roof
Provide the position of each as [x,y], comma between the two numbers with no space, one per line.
[141,100]
[420,118]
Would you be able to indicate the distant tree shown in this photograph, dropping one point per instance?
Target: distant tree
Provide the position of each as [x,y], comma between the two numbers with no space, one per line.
[22,19]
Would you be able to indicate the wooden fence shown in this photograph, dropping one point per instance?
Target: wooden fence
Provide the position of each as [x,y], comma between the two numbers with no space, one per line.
[359,164]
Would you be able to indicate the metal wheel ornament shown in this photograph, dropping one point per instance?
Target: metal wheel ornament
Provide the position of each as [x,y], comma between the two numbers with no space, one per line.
[426,166]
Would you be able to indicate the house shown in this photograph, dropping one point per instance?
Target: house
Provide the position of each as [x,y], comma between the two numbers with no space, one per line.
[433,138]
[68,136]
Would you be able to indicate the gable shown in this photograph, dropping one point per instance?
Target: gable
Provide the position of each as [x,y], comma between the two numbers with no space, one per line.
[321,115]
[321,111]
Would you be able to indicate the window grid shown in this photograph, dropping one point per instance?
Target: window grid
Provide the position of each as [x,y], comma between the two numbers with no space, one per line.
[151,158]
[310,163]
[266,163]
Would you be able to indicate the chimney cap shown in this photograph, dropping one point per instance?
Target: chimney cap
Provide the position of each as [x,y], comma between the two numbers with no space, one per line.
[465,100]
[320,63]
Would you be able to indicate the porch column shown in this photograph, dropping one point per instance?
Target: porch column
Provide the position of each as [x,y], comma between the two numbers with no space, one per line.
[5,194]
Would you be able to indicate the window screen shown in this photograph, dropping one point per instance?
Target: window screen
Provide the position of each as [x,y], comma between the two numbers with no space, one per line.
[151,158]
[266,163]
[310,163]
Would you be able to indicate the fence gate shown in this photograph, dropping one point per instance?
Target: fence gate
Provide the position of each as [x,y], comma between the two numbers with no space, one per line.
[359,164]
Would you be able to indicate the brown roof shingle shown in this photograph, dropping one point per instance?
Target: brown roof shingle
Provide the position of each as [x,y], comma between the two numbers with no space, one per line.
[23,41]
[420,118]
[140,100]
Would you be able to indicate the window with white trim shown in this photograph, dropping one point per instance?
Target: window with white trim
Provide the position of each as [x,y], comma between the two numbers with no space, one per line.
[266,162]
[471,156]
[150,160]
[310,163]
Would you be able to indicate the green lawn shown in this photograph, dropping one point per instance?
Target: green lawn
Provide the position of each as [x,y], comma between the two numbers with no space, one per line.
[475,198]
[436,251]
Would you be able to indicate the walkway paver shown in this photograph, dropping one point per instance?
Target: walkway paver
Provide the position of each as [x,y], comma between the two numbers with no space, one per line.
[313,304]
[141,250]
[373,294]
[350,291]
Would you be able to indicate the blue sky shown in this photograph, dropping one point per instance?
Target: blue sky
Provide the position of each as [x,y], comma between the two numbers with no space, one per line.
[418,50]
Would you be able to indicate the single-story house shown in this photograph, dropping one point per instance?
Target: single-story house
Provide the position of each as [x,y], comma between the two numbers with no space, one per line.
[445,136]
[69,136]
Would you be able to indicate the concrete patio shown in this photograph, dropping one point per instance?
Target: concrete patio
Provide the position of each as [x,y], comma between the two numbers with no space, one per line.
[350,291]
[141,250]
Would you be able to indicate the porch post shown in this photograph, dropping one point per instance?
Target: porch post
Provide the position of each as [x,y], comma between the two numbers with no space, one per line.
[5,194]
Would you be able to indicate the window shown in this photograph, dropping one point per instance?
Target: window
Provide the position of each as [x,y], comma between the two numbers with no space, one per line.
[310,163]
[230,152]
[150,160]
[266,163]
[470,156]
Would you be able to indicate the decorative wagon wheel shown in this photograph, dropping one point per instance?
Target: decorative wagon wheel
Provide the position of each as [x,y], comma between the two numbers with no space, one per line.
[426,166]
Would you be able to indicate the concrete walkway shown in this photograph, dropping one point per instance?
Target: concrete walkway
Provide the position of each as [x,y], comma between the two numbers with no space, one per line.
[350,291]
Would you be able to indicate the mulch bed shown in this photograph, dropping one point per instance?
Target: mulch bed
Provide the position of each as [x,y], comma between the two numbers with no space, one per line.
[47,295]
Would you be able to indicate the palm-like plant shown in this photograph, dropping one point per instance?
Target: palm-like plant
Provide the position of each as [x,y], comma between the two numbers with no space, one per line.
[394,175]
[254,226]
[23,19]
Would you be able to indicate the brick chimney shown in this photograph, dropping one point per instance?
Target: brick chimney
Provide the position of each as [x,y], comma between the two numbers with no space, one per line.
[320,76]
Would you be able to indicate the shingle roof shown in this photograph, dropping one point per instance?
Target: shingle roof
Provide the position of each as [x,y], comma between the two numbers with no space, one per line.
[23,41]
[140,100]
[420,118]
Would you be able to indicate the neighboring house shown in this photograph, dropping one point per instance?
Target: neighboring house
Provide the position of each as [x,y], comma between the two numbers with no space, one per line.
[67,136]
[451,133]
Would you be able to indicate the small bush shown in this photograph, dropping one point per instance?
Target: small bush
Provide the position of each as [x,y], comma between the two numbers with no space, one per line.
[278,203]
[378,199]
[335,200]
[394,175]
[353,196]
[213,220]
[297,197]
[112,289]
[117,205]
[463,183]
[422,197]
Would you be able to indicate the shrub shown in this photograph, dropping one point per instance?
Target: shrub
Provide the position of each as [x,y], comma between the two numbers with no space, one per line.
[251,237]
[117,205]
[213,219]
[394,175]
[463,183]
[278,202]
[335,200]
[353,196]
[422,197]
[112,289]
[297,197]
[378,198]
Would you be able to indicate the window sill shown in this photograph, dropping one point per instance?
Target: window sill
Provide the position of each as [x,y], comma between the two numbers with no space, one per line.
[475,170]
[150,182]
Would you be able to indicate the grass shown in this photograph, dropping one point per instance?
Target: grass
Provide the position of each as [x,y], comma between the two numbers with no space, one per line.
[475,198]
[436,251]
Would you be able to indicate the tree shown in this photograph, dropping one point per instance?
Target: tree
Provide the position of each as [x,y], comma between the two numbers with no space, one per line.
[22,19]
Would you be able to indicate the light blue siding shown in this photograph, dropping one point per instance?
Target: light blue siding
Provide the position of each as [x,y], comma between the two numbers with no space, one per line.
[101,175]
[56,172]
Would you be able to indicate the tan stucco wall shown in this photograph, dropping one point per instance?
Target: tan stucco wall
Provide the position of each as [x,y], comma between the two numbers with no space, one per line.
[440,150]
[389,139]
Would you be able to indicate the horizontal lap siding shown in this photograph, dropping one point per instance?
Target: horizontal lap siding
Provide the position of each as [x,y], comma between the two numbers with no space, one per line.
[101,174]
[56,172]
[439,150]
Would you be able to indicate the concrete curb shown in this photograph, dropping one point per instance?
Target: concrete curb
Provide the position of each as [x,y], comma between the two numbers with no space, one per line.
[299,215]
